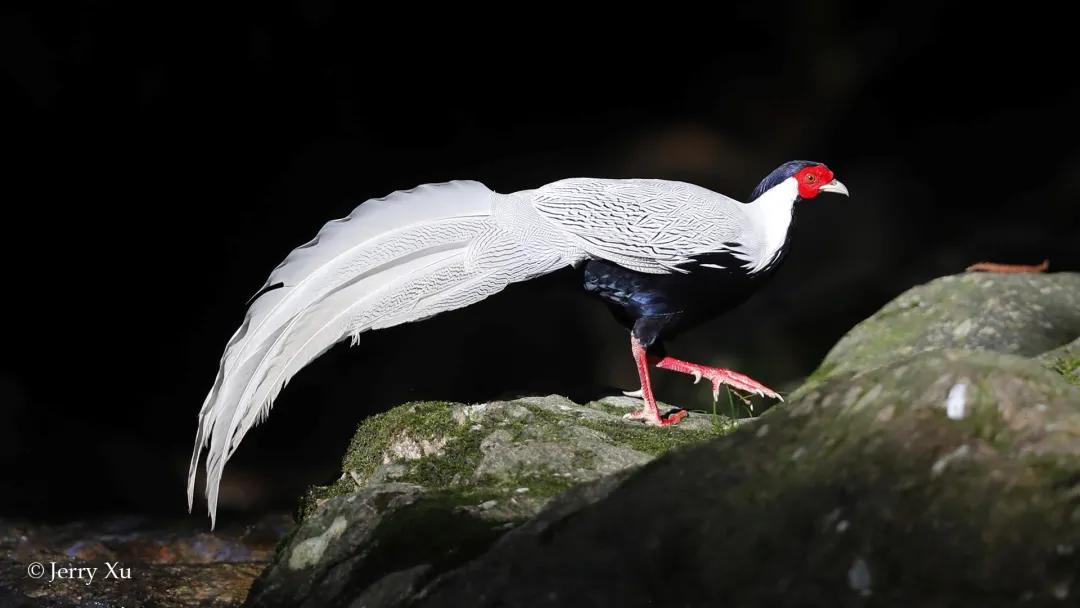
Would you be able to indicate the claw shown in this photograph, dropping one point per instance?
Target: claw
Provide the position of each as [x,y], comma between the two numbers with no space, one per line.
[635,394]
[718,376]
[668,420]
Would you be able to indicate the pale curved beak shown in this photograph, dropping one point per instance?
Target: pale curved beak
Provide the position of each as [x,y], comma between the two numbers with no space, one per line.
[836,187]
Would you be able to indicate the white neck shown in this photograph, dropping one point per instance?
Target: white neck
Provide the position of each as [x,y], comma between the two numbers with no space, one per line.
[771,214]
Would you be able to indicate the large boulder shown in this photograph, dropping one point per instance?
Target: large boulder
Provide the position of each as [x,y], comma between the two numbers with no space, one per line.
[1024,314]
[429,485]
[947,479]
[932,460]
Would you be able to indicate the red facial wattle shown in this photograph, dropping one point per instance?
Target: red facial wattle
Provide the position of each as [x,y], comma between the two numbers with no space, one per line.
[811,179]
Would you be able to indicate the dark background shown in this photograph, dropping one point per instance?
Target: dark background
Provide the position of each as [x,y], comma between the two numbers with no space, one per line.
[159,162]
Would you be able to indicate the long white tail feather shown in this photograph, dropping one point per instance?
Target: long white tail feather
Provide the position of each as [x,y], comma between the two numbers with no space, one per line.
[375,261]
[320,327]
[331,306]
[402,258]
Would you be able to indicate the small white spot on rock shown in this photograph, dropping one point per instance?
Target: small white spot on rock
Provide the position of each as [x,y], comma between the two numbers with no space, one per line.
[842,526]
[851,395]
[798,453]
[942,463]
[956,404]
[869,397]
[405,447]
[885,414]
[490,504]
[472,412]
[521,490]
[764,430]
[309,552]
[963,329]
[858,576]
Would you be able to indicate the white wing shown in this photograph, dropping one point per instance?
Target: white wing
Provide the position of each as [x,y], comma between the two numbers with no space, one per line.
[652,226]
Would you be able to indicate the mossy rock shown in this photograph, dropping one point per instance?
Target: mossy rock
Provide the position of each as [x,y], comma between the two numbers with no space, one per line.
[1023,314]
[426,486]
[946,479]
[1065,360]
[518,453]
[932,460]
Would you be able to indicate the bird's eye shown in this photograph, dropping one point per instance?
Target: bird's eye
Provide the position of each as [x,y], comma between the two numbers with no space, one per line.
[810,178]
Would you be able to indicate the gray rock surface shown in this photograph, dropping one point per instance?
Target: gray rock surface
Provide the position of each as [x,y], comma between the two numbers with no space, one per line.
[427,486]
[932,460]
[1019,314]
[892,487]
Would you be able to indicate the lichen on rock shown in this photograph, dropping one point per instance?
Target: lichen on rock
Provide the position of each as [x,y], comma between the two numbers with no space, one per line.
[487,451]
[863,488]
[428,485]
[1019,314]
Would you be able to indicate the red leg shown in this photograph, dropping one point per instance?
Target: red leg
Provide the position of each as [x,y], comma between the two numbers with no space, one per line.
[718,376]
[650,414]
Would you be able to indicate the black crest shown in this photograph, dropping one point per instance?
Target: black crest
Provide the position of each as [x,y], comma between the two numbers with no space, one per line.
[779,174]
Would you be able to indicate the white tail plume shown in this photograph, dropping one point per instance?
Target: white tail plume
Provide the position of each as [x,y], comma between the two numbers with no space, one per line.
[401,258]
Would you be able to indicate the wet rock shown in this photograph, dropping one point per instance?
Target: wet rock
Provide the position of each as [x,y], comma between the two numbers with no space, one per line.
[166,564]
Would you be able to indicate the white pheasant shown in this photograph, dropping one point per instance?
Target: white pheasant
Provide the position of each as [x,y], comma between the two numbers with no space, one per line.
[664,255]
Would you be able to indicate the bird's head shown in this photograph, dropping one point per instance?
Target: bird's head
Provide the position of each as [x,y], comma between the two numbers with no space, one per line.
[810,178]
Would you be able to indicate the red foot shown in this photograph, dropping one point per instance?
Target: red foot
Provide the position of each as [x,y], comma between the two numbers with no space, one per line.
[718,376]
[653,419]
[650,414]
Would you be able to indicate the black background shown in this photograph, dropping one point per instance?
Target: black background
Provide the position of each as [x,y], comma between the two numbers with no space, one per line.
[160,160]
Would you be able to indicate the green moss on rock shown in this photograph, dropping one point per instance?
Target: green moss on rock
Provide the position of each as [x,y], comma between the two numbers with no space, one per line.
[891,487]
[428,485]
[489,451]
[930,460]
[1018,314]
[1065,360]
